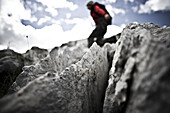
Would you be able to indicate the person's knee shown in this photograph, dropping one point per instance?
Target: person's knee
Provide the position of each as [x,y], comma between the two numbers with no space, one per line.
[100,42]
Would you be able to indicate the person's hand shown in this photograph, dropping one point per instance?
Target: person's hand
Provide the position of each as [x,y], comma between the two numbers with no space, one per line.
[107,16]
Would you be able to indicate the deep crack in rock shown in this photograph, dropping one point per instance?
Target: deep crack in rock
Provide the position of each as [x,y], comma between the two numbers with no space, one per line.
[130,76]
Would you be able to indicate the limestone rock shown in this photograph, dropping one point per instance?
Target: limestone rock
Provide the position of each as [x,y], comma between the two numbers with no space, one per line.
[56,61]
[139,64]
[68,54]
[150,89]
[131,76]
[34,55]
[11,64]
[78,89]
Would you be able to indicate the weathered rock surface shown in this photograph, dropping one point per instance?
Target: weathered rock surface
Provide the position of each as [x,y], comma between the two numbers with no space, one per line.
[131,76]
[34,55]
[150,91]
[139,76]
[11,64]
[80,88]
[56,61]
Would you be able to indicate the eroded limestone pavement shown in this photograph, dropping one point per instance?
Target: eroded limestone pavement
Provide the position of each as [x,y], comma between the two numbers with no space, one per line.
[131,76]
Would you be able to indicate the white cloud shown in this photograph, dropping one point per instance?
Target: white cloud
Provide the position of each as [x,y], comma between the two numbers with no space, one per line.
[81,30]
[13,32]
[58,4]
[113,30]
[135,8]
[19,12]
[52,11]
[43,20]
[34,6]
[123,26]
[118,11]
[111,1]
[68,15]
[16,9]
[11,29]
[113,10]
[49,36]
[33,19]
[54,35]
[110,10]
[154,5]
[129,1]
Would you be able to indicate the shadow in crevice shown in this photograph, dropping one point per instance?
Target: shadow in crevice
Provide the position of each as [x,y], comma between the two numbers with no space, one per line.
[112,39]
[110,58]
[128,93]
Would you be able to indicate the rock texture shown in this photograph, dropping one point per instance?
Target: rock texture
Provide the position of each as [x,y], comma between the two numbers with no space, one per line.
[35,54]
[56,61]
[11,64]
[151,79]
[139,76]
[130,76]
[79,88]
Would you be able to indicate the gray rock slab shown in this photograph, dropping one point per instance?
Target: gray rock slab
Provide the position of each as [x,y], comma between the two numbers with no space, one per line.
[141,59]
[11,64]
[56,61]
[80,88]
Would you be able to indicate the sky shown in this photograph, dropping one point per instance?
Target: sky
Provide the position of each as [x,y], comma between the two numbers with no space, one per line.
[50,23]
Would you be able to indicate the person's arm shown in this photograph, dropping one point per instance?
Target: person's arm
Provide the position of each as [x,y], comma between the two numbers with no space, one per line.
[102,12]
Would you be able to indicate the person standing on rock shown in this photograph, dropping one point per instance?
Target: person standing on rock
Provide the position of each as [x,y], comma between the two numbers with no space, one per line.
[101,18]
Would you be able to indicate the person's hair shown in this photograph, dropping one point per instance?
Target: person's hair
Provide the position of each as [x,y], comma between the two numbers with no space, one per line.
[90,3]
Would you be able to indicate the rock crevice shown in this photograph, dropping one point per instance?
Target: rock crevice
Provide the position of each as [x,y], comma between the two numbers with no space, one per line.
[129,76]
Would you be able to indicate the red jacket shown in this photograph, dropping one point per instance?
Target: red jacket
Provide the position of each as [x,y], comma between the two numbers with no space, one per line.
[97,18]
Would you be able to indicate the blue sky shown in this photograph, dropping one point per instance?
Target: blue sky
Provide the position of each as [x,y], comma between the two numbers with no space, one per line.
[49,23]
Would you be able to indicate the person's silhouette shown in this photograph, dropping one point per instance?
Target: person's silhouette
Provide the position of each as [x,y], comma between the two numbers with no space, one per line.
[101,18]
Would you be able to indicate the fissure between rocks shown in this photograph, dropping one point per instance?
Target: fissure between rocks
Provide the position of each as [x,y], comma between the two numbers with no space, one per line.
[116,78]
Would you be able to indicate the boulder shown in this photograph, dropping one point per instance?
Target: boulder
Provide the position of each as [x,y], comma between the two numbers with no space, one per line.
[56,61]
[138,79]
[11,64]
[80,88]
[130,76]
[34,55]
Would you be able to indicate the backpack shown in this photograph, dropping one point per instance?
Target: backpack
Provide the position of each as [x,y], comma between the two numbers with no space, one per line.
[109,22]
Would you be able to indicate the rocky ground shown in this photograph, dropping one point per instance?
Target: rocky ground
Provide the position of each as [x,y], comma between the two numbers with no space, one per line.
[129,76]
